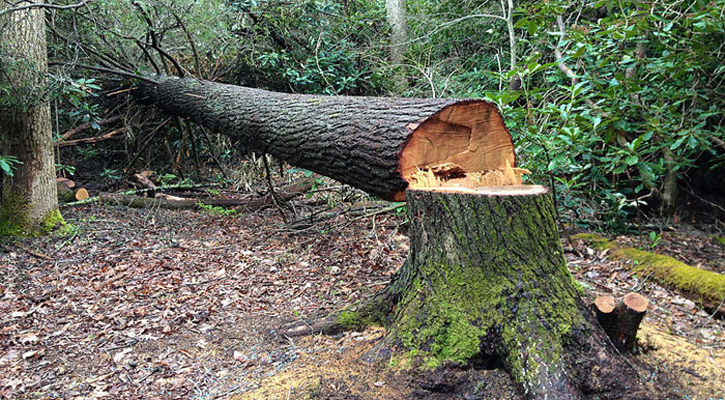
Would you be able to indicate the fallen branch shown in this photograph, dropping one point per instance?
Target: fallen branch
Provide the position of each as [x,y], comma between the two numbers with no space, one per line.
[88,125]
[171,202]
[182,186]
[705,287]
[91,139]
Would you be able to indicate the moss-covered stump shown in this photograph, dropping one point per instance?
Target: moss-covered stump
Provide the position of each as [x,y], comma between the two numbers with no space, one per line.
[705,287]
[486,284]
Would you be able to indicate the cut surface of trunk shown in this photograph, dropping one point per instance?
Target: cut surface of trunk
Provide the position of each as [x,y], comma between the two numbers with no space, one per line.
[375,144]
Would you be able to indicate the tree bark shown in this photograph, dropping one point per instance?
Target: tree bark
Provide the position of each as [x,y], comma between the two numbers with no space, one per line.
[29,198]
[486,283]
[371,143]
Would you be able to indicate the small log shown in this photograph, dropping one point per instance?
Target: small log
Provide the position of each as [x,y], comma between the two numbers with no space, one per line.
[65,181]
[68,192]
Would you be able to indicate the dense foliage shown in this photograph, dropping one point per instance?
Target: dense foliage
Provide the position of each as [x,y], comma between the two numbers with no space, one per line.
[612,102]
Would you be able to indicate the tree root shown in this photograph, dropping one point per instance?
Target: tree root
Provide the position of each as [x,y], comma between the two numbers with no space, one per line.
[374,310]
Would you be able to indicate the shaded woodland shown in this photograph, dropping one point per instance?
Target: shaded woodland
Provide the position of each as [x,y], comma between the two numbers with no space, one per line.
[356,199]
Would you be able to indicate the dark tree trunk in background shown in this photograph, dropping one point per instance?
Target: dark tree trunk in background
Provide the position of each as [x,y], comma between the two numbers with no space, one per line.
[368,142]
[29,198]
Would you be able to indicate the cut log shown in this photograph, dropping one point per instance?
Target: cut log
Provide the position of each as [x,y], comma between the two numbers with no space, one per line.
[68,192]
[66,182]
[629,315]
[375,144]
[486,283]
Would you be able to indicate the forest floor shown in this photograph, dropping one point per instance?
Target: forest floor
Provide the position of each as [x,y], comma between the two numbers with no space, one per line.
[161,304]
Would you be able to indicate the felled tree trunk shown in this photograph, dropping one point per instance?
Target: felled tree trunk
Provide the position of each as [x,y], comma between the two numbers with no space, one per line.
[375,144]
[486,284]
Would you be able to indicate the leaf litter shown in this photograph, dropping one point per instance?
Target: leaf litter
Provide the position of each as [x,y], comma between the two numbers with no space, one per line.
[161,304]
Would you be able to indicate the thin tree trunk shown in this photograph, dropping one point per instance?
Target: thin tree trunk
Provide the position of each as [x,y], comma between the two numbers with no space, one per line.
[29,198]
[397,19]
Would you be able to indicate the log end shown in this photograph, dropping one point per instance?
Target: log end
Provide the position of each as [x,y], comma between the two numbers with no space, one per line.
[465,145]
[635,302]
[605,304]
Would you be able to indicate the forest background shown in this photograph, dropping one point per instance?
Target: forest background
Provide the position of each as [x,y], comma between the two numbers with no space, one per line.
[612,103]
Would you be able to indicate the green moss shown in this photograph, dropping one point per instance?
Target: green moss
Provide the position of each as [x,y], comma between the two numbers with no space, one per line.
[593,240]
[12,211]
[705,286]
[454,323]
[719,239]
[13,219]
[53,220]
[350,320]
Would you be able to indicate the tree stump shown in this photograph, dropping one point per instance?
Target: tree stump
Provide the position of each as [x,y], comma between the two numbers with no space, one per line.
[621,321]
[486,283]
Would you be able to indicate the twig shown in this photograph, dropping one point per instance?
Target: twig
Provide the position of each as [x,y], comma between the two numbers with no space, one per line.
[44,5]
[107,70]
[191,43]
[87,125]
[721,208]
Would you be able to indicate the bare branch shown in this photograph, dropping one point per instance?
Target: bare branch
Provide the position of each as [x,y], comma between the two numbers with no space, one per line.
[107,70]
[46,6]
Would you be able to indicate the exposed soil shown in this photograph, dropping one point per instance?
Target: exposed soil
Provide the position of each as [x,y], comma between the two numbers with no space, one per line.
[165,304]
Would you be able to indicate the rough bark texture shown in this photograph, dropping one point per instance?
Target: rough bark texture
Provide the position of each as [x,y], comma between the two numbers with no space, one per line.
[29,198]
[356,140]
[486,283]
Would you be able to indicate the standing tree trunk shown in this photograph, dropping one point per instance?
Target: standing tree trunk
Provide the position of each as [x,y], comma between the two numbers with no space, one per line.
[29,198]
[398,21]
[485,284]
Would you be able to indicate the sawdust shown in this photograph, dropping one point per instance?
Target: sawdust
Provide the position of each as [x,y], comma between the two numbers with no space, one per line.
[699,370]
[330,367]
